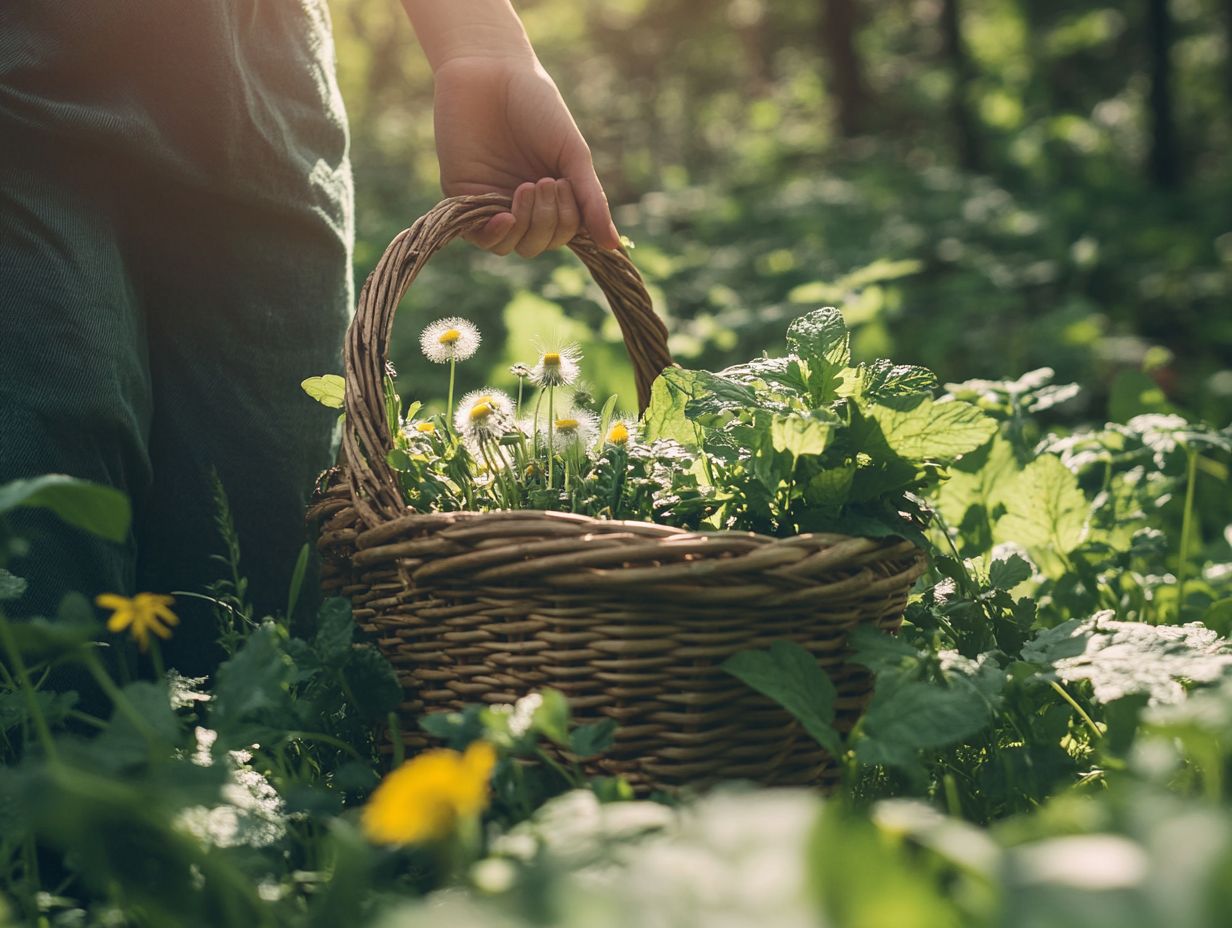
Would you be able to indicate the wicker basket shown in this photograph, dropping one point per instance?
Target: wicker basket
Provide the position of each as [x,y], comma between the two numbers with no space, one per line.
[630,620]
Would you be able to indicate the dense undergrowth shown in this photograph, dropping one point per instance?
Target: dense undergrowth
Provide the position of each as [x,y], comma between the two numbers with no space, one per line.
[1048,739]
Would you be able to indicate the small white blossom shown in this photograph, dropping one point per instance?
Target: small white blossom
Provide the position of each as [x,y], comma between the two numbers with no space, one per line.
[452,339]
[484,415]
[575,427]
[557,368]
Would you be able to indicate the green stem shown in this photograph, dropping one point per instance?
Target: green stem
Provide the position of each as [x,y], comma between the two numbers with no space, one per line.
[551,442]
[453,367]
[395,735]
[41,728]
[117,697]
[1082,713]
[156,658]
[1182,567]
[517,410]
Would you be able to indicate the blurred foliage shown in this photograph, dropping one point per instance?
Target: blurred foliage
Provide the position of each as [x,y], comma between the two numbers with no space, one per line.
[997,212]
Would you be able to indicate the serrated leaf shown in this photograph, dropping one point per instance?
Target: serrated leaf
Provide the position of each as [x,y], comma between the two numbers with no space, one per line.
[791,676]
[91,506]
[254,685]
[1045,510]
[1120,659]
[934,431]
[327,389]
[883,378]
[821,338]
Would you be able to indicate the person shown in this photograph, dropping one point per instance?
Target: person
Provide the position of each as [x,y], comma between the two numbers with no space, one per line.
[175,257]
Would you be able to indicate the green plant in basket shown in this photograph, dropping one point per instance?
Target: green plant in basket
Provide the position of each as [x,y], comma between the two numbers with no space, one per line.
[809,441]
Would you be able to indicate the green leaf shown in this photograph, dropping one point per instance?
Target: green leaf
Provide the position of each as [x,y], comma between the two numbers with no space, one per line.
[1045,511]
[1120,659]
[297,580]
[916,716]
[1008,573]
[821,338]
[798,435]
[91,506]
[791,676]
[883,379]
[335,630]
[590,740]
[551,718]
[74,626]
[254,685]
[665,417]
[373,682]
[933,431]
[327,389]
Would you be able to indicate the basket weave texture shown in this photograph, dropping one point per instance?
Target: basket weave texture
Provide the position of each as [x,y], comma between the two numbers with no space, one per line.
[630,620]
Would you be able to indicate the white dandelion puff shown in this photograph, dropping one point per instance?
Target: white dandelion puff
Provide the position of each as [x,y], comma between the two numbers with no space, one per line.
[484,415]
[557,368]
[418,431]
[576,427]
[452,339]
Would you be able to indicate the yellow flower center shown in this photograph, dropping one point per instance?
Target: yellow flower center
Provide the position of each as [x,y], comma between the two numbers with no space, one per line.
[480,411]
[619,435]
[425,427]
[449,336]
[567,425]
[551,359]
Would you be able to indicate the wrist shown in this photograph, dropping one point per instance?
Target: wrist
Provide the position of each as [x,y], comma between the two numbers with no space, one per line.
[472,29]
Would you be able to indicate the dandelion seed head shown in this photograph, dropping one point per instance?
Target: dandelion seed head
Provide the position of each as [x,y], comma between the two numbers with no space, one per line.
[452,339]
[557,368]
[484,415]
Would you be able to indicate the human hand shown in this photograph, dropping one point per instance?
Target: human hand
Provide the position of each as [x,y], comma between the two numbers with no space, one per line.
[502,127]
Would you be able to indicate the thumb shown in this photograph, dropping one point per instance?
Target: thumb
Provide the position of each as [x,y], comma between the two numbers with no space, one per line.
[579,170]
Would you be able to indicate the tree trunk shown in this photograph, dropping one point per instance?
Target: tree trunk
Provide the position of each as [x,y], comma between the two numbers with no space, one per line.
[965,131]
[1165,166]
[839,19]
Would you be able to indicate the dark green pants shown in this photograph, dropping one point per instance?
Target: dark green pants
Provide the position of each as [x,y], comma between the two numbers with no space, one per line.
[175,235]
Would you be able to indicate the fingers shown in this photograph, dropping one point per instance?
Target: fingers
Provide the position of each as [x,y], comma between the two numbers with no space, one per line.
[523,209]
[568,219]
[596,216]
[542,228]
[494,231]
[545,215]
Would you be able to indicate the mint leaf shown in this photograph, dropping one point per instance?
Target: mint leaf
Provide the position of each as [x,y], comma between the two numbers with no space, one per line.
[589,740]
[335,630]
[821,338]
[101,510]
[883,379]
[932,431]
[791,676]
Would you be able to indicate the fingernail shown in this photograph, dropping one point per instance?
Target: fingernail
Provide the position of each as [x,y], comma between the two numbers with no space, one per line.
[611,228]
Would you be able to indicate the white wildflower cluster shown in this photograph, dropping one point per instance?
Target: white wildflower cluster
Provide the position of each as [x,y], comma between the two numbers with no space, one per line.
[251,813]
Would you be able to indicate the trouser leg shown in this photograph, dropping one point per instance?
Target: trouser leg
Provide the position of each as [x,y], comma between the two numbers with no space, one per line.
[245,302]
[74,387]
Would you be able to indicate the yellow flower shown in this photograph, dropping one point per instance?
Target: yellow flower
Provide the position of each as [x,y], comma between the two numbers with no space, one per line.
[618,434]
[426,427]
[424,799]
[144,613]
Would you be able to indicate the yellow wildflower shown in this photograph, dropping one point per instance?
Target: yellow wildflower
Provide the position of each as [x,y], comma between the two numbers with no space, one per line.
[144,613]
[424,799]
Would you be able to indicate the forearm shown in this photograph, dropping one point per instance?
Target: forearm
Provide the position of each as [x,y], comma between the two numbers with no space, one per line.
[450,29]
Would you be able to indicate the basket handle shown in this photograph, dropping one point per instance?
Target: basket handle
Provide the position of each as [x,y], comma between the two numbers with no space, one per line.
[366,440]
